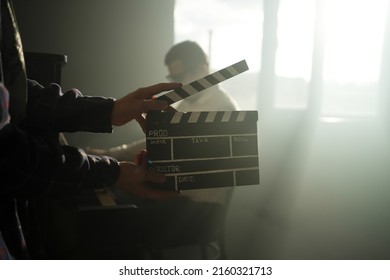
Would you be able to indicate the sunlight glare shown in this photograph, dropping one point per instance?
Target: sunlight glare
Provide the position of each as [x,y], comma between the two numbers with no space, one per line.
[353,40]
[228,30]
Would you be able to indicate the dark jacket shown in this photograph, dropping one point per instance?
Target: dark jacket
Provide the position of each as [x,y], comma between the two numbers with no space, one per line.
[32,161]
[31,154]
[34,164]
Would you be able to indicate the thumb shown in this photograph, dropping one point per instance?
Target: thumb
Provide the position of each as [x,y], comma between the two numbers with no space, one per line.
[155,177]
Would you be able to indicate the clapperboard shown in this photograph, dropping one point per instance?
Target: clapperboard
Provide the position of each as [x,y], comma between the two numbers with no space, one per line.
[203,149]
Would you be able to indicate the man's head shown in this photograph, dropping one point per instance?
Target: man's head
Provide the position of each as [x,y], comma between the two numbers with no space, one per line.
[186,62]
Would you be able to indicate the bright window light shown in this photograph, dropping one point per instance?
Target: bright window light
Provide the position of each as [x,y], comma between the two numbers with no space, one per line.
[294,52]
[228,30]
[354,32]
[295,38]
[231,30]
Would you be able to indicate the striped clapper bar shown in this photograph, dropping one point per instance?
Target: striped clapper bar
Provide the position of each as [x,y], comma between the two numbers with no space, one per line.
[203,149]
[204,83]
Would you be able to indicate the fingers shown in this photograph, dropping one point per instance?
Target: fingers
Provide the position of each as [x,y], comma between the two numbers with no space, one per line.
[141,160]
[153,193]
[135,179]
[137,159]
[143,156]
[142,123]
[152,104]
[142,118]
[138,102]
[150,91]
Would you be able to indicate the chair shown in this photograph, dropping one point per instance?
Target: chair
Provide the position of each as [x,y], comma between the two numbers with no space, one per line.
[44,67]
[84,228]
[181,223]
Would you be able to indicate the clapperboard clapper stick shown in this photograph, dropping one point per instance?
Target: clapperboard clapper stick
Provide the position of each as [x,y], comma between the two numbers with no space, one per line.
[204,83]
[203,149]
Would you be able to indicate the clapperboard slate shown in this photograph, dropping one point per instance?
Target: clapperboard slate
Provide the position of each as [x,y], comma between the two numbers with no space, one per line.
[203,149]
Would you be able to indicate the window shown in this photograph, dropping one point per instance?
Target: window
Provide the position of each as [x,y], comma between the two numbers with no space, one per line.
[293,63]
[351,49]
[354,33]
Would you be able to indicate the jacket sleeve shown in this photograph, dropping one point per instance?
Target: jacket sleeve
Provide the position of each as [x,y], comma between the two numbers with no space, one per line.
[30,165]
[27,163]
[48,108]
[80,171]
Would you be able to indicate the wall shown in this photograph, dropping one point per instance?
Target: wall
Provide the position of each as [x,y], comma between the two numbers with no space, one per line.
[323,194]
[113,47]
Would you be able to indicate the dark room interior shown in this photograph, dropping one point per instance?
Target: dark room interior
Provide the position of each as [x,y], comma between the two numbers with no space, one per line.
[323,132]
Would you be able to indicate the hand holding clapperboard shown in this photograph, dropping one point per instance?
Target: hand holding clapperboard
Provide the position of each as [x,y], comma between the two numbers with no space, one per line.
[203,149]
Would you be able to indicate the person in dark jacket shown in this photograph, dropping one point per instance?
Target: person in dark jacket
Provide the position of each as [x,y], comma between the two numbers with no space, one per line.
[32,160]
